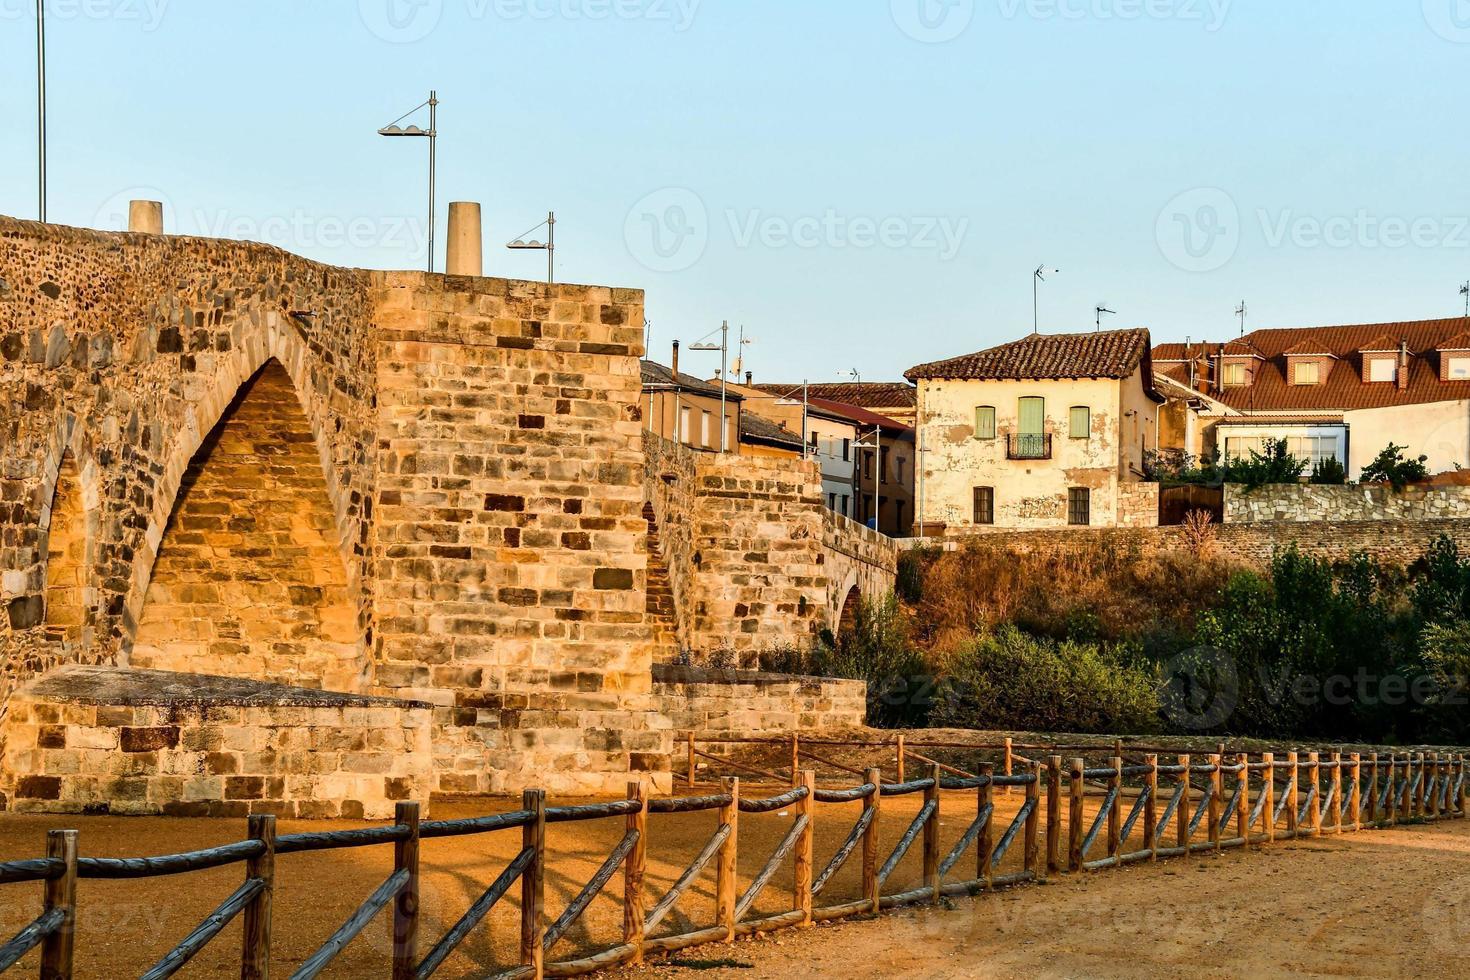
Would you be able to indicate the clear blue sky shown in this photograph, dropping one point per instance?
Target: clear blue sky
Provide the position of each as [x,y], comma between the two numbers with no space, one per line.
[798,161]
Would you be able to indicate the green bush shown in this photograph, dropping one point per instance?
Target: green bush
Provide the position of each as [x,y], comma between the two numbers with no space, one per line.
[1273,465]
[1010,680]
[1329,473]
[1393,468]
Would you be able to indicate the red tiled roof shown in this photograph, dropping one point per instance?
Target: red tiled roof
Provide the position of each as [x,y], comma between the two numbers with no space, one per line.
[1308,348]
[1107,354]
[1378,345]
[1343,387]
[858,414]
[864,394]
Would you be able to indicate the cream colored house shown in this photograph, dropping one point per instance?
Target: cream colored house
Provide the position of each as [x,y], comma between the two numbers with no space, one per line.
[1049,431]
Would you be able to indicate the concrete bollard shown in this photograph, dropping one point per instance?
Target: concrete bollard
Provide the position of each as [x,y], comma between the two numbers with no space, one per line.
[145,217]
[464,247]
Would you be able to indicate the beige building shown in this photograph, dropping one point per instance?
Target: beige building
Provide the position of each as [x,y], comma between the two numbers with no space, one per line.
[1339,393]
[684,409]
[1049,431]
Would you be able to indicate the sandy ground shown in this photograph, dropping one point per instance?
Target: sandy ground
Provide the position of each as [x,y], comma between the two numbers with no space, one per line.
[1376,904]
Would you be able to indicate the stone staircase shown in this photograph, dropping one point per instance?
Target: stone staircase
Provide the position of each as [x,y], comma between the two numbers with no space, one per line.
[661,615]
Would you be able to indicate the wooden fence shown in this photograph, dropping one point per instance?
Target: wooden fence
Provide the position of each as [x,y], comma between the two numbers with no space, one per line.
[1178,808]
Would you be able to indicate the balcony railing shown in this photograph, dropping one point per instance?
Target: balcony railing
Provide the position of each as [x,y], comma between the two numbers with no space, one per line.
[1027,446]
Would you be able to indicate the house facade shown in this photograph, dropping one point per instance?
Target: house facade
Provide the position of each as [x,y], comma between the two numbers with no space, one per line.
[1344,393]
[883,468]
[1048,431]
[687,410]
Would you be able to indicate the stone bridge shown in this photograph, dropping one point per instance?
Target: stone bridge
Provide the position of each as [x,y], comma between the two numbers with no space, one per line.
[422,497]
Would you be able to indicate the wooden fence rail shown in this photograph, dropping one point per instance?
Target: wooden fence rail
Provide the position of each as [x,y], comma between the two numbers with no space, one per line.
[1225,801]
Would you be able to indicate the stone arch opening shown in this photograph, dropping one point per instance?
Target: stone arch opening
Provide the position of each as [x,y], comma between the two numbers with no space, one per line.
[248,580]
[66,557]
[847,618]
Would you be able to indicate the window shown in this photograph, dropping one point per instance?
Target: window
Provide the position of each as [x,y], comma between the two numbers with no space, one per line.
[704,426]
[1080,425]
[683,434]
[985,422]
[846,450]
[832,501]
[1234,374]
[898,516]
[1381,369]
[1079,507]
[1459,369]
[985,505]
[898,465]
[1306,372]
[846,505]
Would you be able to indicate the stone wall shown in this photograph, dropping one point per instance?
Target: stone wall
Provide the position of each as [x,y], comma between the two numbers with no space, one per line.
[669,483]
[98,740]
[1295,502]
[1138,505]
[857,559]
[737,702]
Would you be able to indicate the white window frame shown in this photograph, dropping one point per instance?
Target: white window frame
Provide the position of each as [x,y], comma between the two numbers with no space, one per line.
[1376,364]
[1301,367]
[1458,368]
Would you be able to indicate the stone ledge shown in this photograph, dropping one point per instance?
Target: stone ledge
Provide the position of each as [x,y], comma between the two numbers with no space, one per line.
[126,687]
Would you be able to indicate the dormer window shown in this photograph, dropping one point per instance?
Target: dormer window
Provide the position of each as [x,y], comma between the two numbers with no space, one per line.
[1458,368]
[1234,374]
[1306,373]
[1382,370]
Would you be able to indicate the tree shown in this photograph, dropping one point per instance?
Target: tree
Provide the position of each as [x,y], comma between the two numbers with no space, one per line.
[1393,468]
[1273,463]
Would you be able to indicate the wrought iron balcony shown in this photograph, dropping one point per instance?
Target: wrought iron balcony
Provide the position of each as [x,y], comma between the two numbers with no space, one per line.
[1027,446]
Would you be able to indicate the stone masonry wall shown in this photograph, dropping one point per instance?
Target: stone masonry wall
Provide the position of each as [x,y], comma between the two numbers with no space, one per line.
[736,702]
[669,484]
[95,740]
[1138,505]
[856,558]
[1294,502]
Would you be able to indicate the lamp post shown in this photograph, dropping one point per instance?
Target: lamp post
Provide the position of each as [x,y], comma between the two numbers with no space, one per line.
[724,349]
[432,134]
[41,106]
[549,246]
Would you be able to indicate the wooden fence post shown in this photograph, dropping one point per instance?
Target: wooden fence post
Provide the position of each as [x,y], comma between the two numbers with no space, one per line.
[1293,764]
[985,847]
[1010,756]
[1438,777]
[1369,812]
[725,883]
[1314,815]
[871,891]
[795,759]
[406,905]
[61,893]
[1268,809]
[1151,807]
[634,869]
[1420,794]
[1243,810]
[255,959]
[1391,801]
[1033,821]
[1115,815]
[801,882]
[692,764]
[1186,808]
[533,883]
[931,837]
[901,760]
[1355,800]
[1054,815]
[1336,814]
[1212,812]
[1075,815]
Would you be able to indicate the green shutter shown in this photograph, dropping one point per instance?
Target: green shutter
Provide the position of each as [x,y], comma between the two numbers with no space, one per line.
[985,422]
[1080,426]
[1033,416]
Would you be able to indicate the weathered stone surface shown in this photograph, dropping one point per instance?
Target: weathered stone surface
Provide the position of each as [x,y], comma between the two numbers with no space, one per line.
[1297,503]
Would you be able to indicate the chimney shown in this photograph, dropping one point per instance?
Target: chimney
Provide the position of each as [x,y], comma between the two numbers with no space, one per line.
[674,364]
[1403,365]
[749,378]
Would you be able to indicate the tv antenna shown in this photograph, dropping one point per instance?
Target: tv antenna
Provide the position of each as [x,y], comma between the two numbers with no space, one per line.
[1037,279]
[1241,312]
[1103,309]
[1465,292]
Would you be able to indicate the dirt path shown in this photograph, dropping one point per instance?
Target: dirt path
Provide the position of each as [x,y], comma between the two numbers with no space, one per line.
[1381,904]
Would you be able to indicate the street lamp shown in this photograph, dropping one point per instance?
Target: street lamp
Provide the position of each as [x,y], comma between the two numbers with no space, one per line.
[41,105]
[549,246]
[724,349]
[432,134]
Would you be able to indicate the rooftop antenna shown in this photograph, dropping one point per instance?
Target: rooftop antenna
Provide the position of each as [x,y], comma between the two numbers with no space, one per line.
[737,369]
[1465,292]
[1241,312]
[1102,309]
[1037,279]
